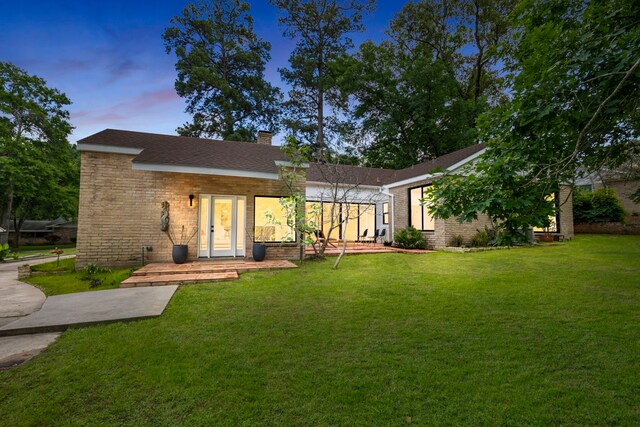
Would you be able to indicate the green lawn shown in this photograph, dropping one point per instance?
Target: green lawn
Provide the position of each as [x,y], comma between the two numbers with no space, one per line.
[67,281]
[25,251]
[538,336]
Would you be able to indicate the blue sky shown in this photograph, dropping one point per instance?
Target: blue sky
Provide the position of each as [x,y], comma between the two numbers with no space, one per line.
[108,57]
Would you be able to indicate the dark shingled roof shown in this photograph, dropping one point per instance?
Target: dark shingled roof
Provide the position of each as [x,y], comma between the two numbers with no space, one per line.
[439,163]
[195,152]
[207,153]
[348,174]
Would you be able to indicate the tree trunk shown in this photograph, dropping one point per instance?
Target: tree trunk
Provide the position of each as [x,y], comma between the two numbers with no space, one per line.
[6,214]
[344,243]
[320,136]
[480,57]
[17,225]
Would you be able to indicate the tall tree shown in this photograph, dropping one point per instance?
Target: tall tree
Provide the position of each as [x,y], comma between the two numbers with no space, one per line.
[407,103]
[34,127]
[574,69]
[418,95]
[220,66]
[320,29]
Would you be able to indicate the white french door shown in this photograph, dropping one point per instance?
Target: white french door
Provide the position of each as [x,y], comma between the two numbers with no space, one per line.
[222,220]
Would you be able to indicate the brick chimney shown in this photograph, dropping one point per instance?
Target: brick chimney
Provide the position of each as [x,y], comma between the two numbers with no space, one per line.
[264,137]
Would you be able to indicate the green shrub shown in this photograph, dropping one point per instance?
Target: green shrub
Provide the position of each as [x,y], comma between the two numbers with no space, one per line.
[409,238]
[599,206]
[91,269]
[480,239]
[4,251]
[457,241]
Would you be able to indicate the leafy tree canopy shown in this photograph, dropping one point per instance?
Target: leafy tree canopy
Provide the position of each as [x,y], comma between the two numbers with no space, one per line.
[39,168]
[417,95]
[220,68]
[574,73]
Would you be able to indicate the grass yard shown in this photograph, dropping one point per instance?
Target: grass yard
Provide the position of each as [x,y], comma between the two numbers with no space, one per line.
[538,336]
[29,251]
[65,280]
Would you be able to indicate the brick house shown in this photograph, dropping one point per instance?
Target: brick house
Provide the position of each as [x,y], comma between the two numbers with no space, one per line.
[221,190]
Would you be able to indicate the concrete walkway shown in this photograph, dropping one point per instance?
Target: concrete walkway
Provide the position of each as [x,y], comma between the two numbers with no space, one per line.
[17,298]
[85,308]
[28,318]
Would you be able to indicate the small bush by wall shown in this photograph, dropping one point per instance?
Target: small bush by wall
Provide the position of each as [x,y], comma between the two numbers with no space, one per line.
[409,238]
[602,205]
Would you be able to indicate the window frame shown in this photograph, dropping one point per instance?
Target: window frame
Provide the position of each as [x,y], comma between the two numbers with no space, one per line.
[255,211]
[422,187]
[385,213]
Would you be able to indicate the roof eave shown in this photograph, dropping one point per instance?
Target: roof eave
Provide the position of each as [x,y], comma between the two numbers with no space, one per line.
[202,170]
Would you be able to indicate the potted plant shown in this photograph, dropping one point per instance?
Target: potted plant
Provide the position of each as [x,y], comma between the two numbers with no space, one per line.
[180,251]
[259,249]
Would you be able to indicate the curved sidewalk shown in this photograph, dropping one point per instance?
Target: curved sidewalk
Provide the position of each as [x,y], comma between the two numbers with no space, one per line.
[17,298]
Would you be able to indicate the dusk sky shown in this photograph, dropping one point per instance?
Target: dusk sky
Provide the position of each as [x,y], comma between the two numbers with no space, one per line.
[109,58]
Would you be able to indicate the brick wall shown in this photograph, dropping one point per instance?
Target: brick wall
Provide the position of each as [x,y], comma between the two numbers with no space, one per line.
[624,189]
[120,209]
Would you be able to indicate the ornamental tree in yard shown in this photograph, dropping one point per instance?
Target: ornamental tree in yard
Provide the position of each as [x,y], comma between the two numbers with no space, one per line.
[574,73]
[37,174]
[220,66]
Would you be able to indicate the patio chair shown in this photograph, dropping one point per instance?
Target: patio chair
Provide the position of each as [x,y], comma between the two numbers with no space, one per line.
[363,237]
[374,239]
[383,233]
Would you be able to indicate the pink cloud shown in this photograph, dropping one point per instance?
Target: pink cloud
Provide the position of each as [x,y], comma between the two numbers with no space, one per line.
[138,108]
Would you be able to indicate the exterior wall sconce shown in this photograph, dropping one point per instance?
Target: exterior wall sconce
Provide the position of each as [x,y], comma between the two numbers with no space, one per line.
[191,197]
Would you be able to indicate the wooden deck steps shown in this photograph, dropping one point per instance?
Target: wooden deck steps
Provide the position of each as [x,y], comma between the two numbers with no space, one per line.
[175,279]
[158,274]
[213,267]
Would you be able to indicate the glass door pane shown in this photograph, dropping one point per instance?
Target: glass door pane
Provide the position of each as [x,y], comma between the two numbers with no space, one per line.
[240,226]
[350,221]
[222,222]
[203,230]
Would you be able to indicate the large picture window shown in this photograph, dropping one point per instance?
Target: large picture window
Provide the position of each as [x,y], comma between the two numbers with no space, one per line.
[266,230]
[419,216]
[361,217]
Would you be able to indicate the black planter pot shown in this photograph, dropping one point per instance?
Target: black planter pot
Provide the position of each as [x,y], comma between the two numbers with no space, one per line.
[180,253]
[259,251]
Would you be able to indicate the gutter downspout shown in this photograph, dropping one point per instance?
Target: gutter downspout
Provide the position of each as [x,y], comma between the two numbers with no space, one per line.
[391,211]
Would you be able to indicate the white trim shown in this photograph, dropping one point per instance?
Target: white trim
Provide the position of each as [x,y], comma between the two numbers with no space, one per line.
[345,185]
[202,170]
[412,180]
[284,163]
[435,175]
[99,148]
[466,160]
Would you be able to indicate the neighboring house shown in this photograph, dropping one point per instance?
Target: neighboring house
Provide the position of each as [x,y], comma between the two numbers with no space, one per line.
[222,190]
[35,232]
